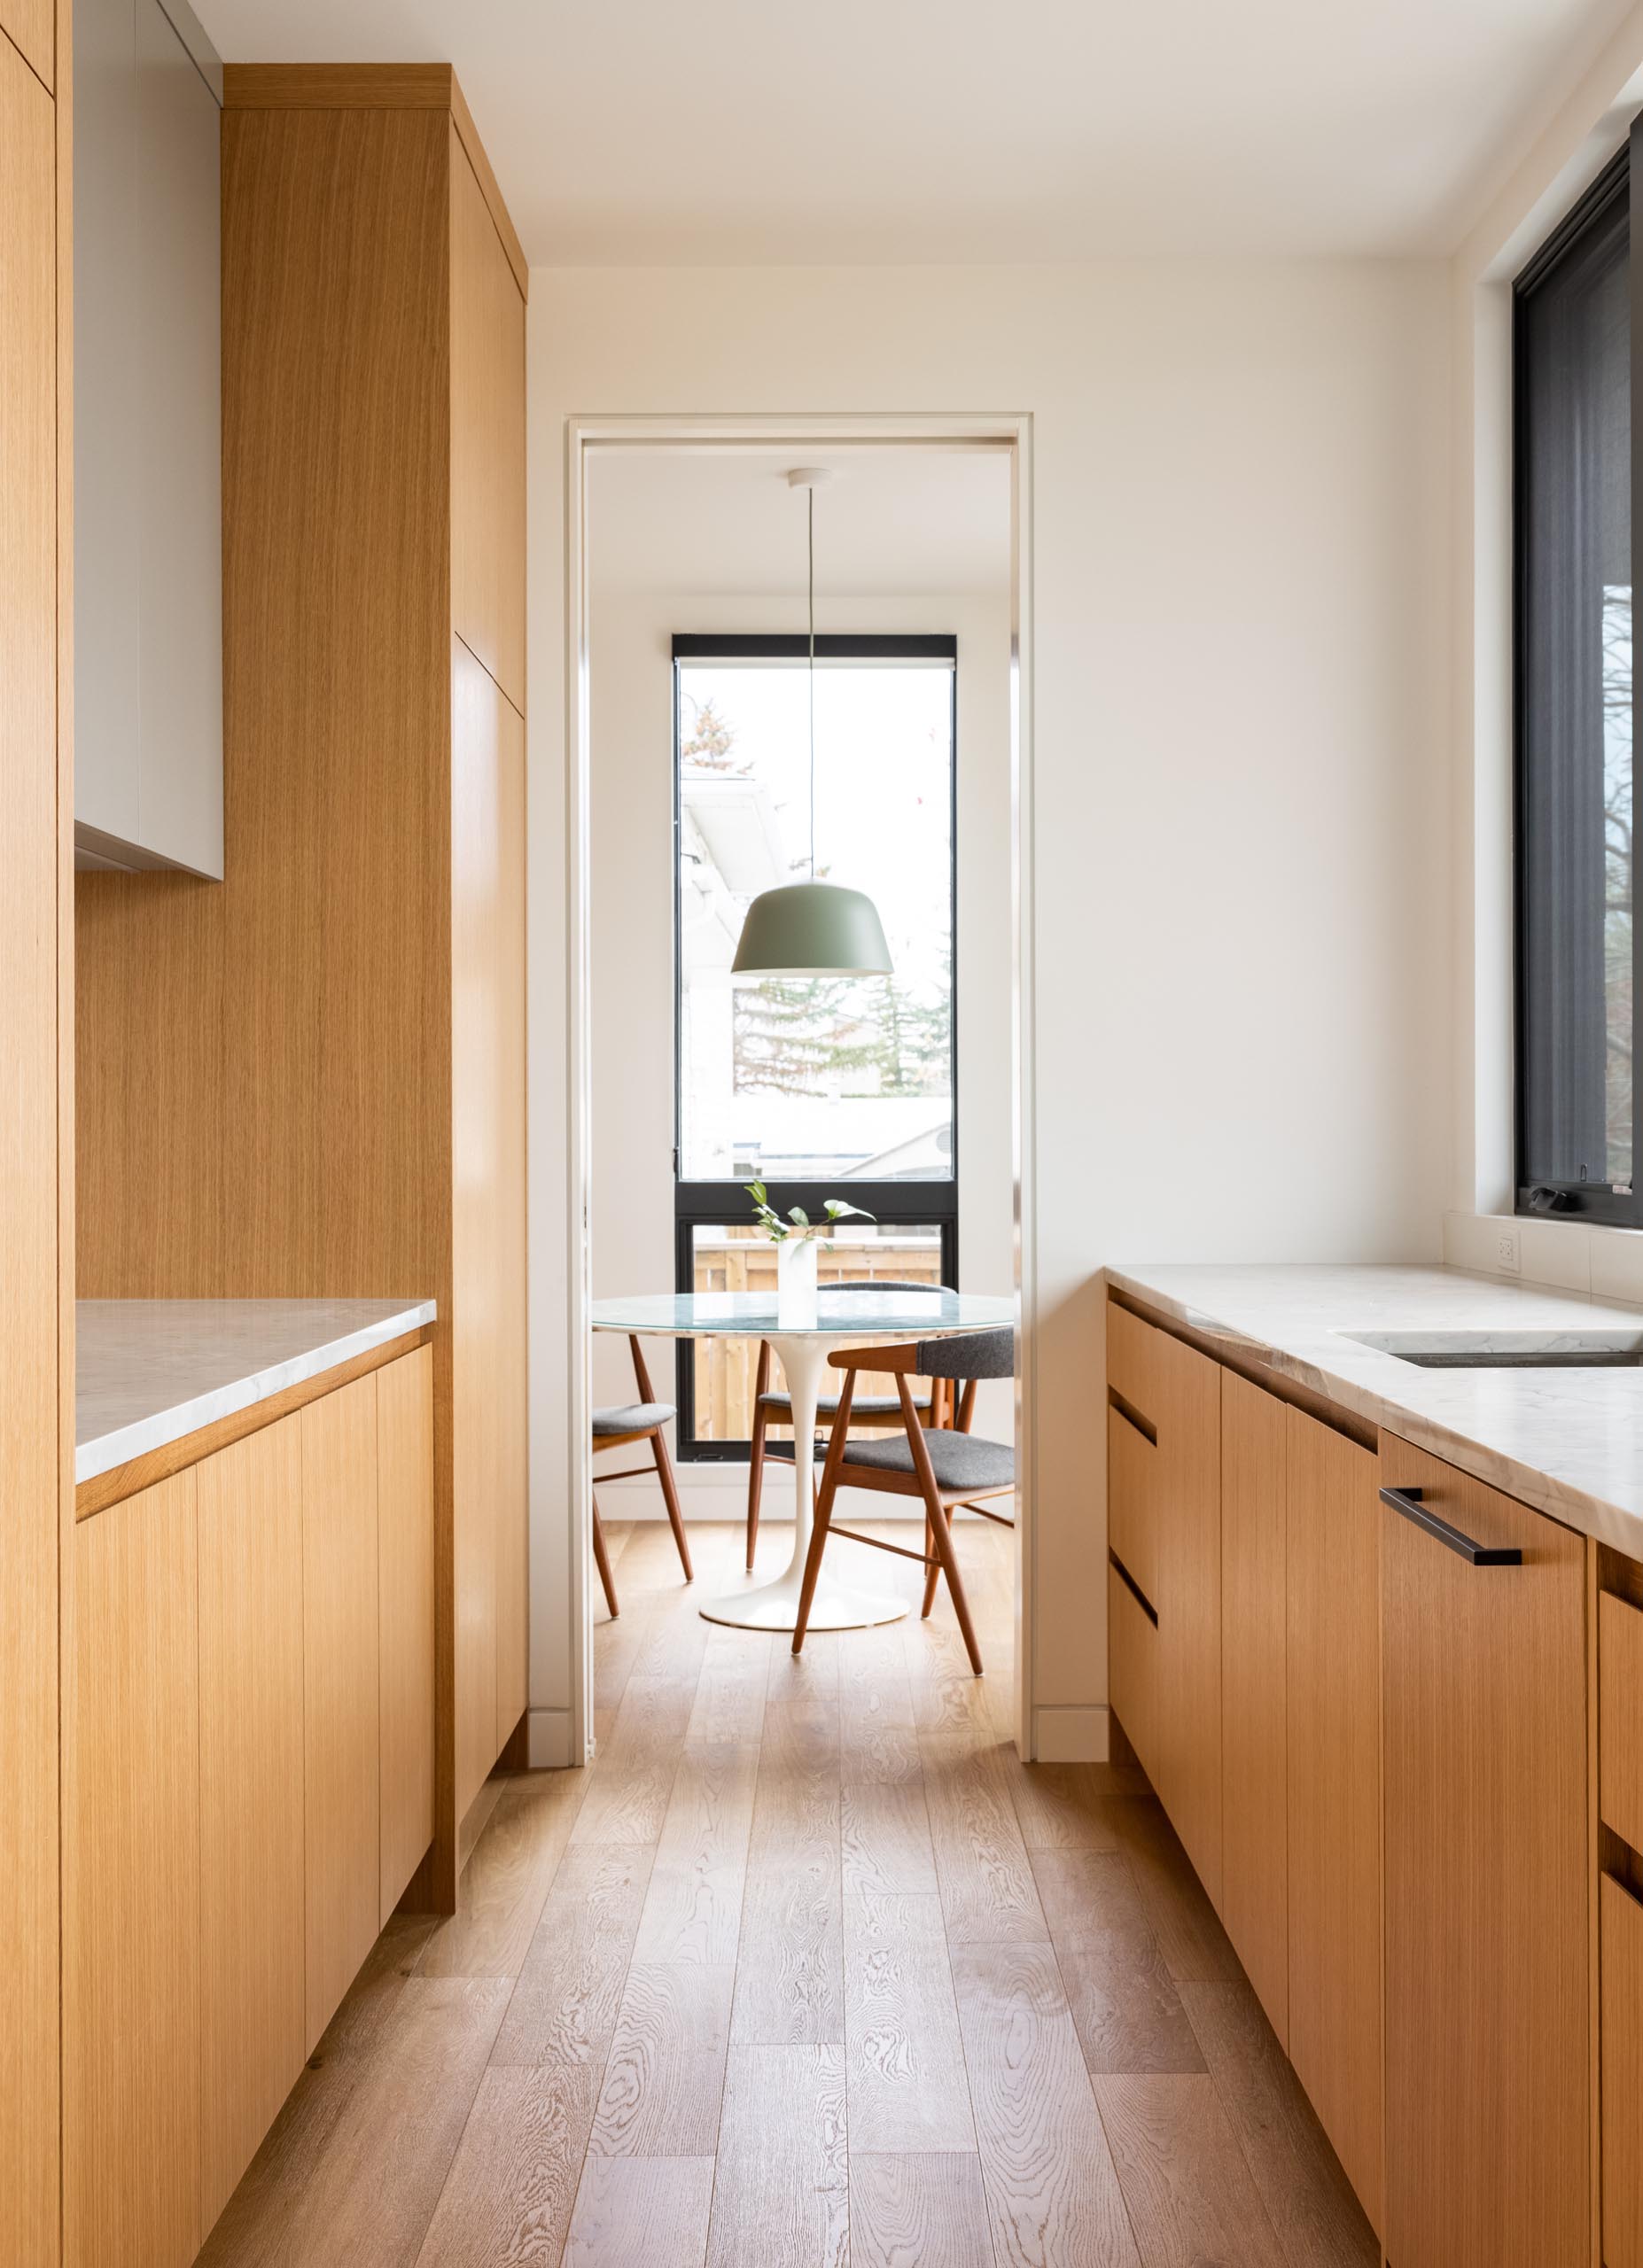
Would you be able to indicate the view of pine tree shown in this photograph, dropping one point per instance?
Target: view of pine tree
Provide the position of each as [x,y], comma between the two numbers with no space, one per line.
[831,1035]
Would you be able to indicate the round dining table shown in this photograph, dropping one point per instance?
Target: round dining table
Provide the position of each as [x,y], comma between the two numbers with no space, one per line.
[839,1318]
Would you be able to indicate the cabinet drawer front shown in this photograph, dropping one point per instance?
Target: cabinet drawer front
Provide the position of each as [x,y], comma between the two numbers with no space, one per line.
[1621,2004]
[1620,1716]
[1132,1499]
[1132,1363]
[1484,1692]
[1132,1670]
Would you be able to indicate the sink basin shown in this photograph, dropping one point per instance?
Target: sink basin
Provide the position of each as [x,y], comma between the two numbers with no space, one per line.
[1508,1350]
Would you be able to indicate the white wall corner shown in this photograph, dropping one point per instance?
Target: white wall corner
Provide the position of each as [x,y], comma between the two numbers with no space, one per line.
[1072,1733]
[549,1740]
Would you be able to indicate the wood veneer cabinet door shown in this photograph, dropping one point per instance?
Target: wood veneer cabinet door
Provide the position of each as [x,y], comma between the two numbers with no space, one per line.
[132,2107]
[405,1591]
[1254,1905]
[30,1454]
[1488,2145]
[487,437]
[1621,2018]
[342,1866]
[252,2016]
[1333,1743]
[32,26]
[1187,1511]
[488,1306]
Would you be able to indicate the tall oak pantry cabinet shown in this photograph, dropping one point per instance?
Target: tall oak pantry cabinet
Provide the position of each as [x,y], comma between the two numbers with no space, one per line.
[308,1080]
[36,1282]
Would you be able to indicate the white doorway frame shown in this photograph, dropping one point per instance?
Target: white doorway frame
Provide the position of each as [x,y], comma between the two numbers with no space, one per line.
[585,438]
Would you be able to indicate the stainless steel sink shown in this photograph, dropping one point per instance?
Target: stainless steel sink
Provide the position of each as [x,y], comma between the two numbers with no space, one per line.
[1508,1350]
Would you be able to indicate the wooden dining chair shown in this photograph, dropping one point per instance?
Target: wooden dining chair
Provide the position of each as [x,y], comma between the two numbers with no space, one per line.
[948,1466]
[776,1409]
[613,1427]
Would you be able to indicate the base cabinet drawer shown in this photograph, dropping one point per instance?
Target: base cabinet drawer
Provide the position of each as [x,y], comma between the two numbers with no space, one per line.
[1132,1670]
[1488,2080]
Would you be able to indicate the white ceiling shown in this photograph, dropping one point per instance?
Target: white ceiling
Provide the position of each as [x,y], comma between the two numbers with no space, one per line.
[736,132]
[891,522]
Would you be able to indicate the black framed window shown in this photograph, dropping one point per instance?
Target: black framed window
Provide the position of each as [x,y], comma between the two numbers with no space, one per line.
[817,1087]
[1577,337]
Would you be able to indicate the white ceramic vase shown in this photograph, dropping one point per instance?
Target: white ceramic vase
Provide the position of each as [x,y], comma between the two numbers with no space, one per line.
[796,1284]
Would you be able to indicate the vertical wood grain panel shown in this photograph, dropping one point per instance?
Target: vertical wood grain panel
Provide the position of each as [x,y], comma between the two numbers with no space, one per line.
[1621,2000]
[405,1546]
[251,1798]
[487,758]
[1254,1905]
[30,1445]
[1187,1501]
[1485,1771]
[32,24]
[340,1740]
[1334,1668]
[487,437]
[132,2109]
[1620,1716]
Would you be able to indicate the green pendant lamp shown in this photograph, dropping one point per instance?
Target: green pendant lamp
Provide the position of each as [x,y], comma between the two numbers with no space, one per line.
[812,929]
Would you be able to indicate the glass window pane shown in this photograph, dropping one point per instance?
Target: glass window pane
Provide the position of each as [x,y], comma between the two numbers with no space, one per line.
[1575,649]
[816,1079]
[739,1259]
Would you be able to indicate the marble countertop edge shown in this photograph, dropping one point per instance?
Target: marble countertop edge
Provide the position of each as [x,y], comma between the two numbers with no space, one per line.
[102,1451]
[1390,1397]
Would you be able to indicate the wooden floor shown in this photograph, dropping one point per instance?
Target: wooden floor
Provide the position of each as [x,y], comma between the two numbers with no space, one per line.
[808,1968]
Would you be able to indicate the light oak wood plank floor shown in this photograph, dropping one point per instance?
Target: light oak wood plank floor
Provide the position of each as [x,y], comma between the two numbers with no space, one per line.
[808,1970]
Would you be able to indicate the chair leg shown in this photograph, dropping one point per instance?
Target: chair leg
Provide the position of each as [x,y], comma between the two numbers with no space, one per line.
[602,1560]
[932,1572]
[813,1563]
[955,1581]
[824,1509]
[670,1497]
[755,1479]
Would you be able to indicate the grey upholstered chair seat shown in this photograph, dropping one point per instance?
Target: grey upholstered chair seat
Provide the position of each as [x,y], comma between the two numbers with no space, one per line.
[631,1417]
[865,1405]
[958,1460]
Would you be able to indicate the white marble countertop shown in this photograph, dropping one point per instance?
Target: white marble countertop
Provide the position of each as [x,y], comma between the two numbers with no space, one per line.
[148,1371]
[1568,1441]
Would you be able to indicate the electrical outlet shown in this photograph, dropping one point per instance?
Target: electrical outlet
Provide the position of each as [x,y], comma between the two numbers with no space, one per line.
[1507,1255]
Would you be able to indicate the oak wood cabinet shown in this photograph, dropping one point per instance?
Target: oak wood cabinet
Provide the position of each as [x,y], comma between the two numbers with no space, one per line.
[232,1768]
[341,1728]
[1176,1534]
[36,1122]
[1255,1858]
[405,1622]
[252,2039]
[1333,1752]
[280,1073]
[1488,2095]
[132,2104]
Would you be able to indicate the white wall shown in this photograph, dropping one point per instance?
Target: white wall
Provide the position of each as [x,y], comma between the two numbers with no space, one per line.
[630,705]
[1538,180]
[1241,856]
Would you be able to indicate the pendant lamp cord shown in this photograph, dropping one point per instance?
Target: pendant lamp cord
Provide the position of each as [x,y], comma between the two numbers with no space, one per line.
[810,495]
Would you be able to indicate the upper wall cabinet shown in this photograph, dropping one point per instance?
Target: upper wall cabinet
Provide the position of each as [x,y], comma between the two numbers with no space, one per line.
[148,490]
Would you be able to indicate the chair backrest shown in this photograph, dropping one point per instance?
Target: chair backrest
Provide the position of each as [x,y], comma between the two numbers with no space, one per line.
[877,1284]
[981,1354]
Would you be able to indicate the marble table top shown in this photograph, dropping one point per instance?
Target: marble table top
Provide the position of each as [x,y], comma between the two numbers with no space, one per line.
[1568,1441]
[148,1371]
[855,1314]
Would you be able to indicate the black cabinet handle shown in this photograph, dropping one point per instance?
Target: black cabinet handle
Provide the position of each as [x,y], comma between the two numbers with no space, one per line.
[1407,1502]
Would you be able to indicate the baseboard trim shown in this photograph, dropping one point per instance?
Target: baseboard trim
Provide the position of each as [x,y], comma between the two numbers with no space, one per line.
[549,1740]
[1070,1733]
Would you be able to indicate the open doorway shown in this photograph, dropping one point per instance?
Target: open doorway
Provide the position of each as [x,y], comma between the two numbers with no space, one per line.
[691,792]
